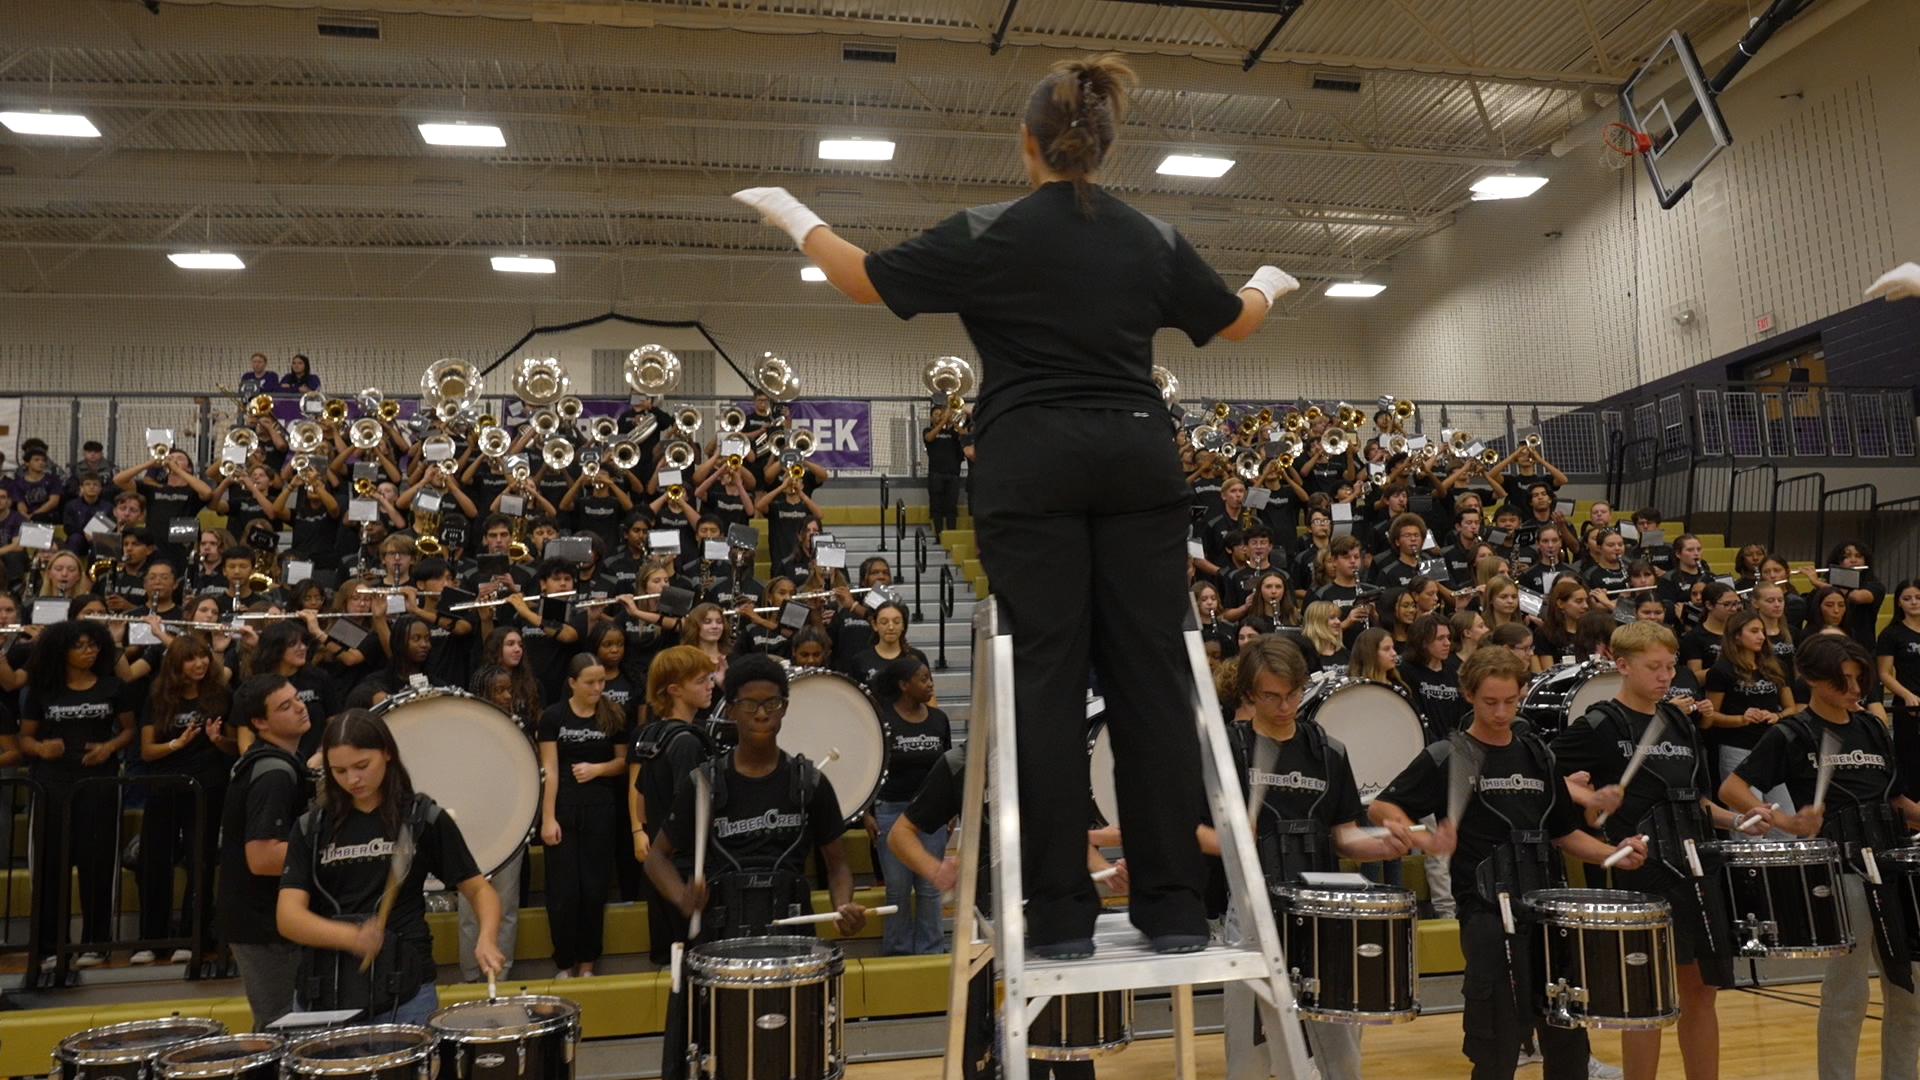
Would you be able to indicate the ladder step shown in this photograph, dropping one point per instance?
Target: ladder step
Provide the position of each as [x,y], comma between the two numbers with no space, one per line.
[1123,960]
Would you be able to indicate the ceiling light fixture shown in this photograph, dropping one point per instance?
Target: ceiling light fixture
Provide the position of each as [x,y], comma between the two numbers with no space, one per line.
[462,133]
[522,264]
[856,149]
[1355,288]
[206,260]
[1194,165]
[48,122]
[812,273]
[1489,188]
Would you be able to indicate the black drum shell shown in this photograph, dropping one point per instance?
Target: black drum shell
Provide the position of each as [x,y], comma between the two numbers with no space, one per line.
[543,1048]
[1622,958]
[1081,1027]
[1365,962]
[1802,899]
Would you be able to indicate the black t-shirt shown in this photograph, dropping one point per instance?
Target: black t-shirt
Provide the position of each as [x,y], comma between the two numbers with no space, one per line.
[1864,769]
[165,503]
[621,692]
[1599,744]
[944,455]
[322,698]
[268,793]
[1061,303]
[1759,693]
[546,654]
[866,665]
[1599,577]
[1460,566]
[760,826]
[661,776]
[852,635]
[1436,694]
[754,638]
[1301,786]
[1903,644]
[78,717]
[785,516]
[599,514]
[1700,644]
[579,740]
[316,532]
[1391,572]
[911,750]
[199,758]
[344,871]
[1511,791]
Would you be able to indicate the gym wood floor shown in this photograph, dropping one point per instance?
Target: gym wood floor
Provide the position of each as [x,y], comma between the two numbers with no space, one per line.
[1764,1035]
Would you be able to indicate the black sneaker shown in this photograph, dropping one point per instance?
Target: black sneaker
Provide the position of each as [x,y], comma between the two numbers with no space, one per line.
[1070,949]
[1179,943]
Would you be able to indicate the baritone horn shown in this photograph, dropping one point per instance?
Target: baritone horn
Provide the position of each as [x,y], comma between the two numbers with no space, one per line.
[494,442]
[776,377]
[304,436]
[364,433]
[949,376]
[687,421]
[556,454]
[545,423]
[540,381]
[677,455]
[625,455]
[1335,442]
[449,379]
[570,408]
[733,420]
[1249,465]
[802,442]
[603,429]
[652,370]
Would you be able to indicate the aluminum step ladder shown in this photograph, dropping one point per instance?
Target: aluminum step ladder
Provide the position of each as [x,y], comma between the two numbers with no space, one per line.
[1122,958]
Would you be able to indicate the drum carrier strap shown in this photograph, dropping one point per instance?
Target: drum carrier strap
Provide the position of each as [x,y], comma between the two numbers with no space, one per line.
[332,979]
[744,900]
[1289,847]
[1854,825]
[1678,816]
[1527,860]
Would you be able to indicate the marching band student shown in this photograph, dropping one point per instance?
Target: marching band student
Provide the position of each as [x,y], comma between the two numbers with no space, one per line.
[1826,614]
[917,734]
[1500,603]
[1469,630]
[665,748]
[1863,600]
[1774,570]
[1549,562]
[769,812]
[1559,623]
[1516,796]
[266,794]
[1897,655]
[1607,573]
[1664,803]
[1430,672]
[1523,469]
[888,644]
[1700,647]
[336,881]
[1408,532]
[944,437]
[1770,601]
[1866,810]
[583,756]
[176,495]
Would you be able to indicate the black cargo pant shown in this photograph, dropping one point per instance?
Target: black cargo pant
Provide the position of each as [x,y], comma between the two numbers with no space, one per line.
[1502,1004]
[1081,516]
[943,501]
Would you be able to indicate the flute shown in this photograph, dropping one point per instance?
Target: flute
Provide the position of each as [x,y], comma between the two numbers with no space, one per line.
[396,590]
[507,599]
[809,596]
[225,628]
[251,616]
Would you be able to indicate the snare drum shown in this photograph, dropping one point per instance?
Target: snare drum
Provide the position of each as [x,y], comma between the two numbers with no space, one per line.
[475,762]
[511,1038]
[1378,725]
[254,1056]
[1786,897]
[1559,695]
[1081,1027]
[827,711]
[127,1051]
[369,1052]
[765,1007]
[1605,958]
[1351,952]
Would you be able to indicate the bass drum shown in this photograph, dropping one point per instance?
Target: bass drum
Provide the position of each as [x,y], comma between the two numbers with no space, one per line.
[832,720]
[1568,691]
[475,762]
[1378,725]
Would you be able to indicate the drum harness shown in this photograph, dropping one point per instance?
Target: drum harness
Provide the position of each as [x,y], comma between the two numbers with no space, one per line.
[1861,828]
[332,979]
[1527,861]
[746,900]
[1289,846]
[1675,822]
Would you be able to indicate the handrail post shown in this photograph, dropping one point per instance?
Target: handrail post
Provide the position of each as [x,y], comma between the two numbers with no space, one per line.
[899,534]
[946,580]
[919,573]
[883,511]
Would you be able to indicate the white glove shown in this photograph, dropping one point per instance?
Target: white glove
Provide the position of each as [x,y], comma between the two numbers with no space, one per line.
[779,208]
[1902,280]
[1272,282]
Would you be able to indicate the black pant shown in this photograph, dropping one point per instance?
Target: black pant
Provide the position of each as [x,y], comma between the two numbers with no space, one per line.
[1906,746]
[1503,1002]
[628,875]
[1082,519]
[578,868]
[665,924]
[166,841]
[90,814]
[943,501]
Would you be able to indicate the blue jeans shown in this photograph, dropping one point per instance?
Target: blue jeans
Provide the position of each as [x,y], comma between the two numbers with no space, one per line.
[915,931]
[415,1010]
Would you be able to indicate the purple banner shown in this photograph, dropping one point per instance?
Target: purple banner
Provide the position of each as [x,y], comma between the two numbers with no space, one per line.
[843,431]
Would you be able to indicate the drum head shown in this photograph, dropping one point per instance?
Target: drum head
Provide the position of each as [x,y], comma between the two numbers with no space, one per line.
[476,763]
[360,1049]
[1378,726]
[502,1018]
[764,961]
[1600,686]
[1100,771]
[829,712]
[226,1055]
[138,1040]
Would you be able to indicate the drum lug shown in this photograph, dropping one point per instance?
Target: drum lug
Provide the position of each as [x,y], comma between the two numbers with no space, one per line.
[1561,997]
[1759,932]
[1305,986]
[522,1048]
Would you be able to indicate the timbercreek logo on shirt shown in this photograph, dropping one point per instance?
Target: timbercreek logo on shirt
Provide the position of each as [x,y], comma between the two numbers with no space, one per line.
[771,821]
[89,711]
[1659,749]
[577,734]
[1440,691]
[1514,783]
[1852,759]
[1295,780]
[372,849]
[915,744]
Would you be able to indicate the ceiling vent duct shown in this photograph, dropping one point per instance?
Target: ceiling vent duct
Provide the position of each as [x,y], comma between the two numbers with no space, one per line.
[1329,80]
[865,53]
[341,26]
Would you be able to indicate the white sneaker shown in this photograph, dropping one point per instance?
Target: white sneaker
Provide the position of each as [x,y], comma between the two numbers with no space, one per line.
[49,963]
[144,956]
[563,973]
[181,956]
[89,960]
[1600,1070]
[1529,1055]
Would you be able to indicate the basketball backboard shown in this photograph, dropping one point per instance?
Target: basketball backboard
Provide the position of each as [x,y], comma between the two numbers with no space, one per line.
[1669,102]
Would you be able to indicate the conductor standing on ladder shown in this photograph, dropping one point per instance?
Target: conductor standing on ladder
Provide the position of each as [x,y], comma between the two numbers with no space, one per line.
[1080,503]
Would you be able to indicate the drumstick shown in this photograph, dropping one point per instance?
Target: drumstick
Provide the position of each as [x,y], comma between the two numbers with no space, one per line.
[1754,815]
[1462,766]
[397,867]
[1655,728]
[829,916]
[702,818]
[1613,860]
[1377,831]
[833,754]
[1265,753]
[1506,913]
[678,951]
[1870,864]
[1829,749]
[1693,858]
[1102,875]
[493,988]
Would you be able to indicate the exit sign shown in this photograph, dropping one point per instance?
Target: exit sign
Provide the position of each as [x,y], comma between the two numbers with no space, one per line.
[1763,324]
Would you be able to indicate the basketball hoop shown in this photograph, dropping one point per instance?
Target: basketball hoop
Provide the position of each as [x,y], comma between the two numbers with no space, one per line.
[1623,143]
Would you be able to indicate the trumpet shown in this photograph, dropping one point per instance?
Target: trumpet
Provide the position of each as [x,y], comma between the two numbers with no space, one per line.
[652,370]
[1294,422]
[1292,449]
[675,493]
[733,420]
[243,437]
[1532,441]
[1396,444]
[1314,415]
[545,422]
[1489,456]
[229,470]
[363,488]
[303,466]
[687,421]
[1220,409]
[950,376]
[388,410]
[518,468]
[1248,425]
[556,453]
[1264,416]
[625,455]
[1167,383]
[305,436]
[540,381]
[570,408]
[1458,441]
[734,461]
[776,377]
[261,405]
[364,433]
[590,462]
[1402,409]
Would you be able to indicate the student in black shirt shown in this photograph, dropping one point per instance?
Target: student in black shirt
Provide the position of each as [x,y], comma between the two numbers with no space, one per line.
[174,495]
[286,648]
[1081,492]
[583,755]
[1516,794]
[184,734]
[1863,600]
[889,643]
[916,734]
[946,439]
[1865,808]
[1700,647]
[1747,690]
[666,747]
[338,861]
[75,720]
[1897,654]
[1433,676]
[770,811]
[549,641]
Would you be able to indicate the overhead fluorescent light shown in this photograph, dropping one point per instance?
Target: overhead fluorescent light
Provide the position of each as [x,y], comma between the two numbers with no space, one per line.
[1194,165]
[206,260]
[812,273]
[522,264]
[462,134]
[48,122]
[856,149]
[1506,187]
[1355,288]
